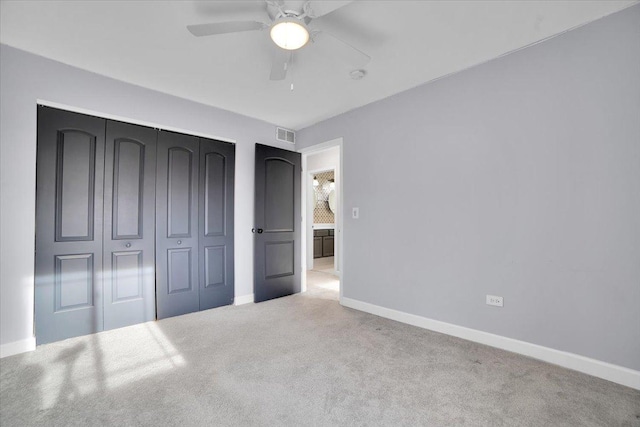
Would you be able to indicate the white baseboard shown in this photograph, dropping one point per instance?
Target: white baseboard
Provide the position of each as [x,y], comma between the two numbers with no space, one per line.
[29,344]
[614,373]
[17,347]
[243,299]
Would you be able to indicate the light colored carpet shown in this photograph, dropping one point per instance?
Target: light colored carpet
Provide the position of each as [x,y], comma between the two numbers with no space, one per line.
[321,284]
[324,265]
[298,360]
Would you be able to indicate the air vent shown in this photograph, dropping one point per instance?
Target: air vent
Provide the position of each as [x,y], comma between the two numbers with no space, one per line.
[285,135]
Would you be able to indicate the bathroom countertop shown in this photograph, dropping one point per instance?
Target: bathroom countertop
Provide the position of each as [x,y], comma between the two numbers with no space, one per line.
[323,226]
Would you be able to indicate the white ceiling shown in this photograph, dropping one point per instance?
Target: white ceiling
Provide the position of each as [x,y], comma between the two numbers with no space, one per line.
[410,42]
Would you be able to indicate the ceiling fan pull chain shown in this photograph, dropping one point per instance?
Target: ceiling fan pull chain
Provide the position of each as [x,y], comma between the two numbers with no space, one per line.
[291,67]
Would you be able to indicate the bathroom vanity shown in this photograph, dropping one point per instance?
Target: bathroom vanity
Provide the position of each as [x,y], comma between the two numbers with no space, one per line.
[323,240]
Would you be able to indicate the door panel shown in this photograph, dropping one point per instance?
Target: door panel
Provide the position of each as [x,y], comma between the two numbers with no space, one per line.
[279,196]
[317,247]
[128,183]
[177,185]
[214,194]
[214,260]
[327,246]
[69,194]
[75,185]
[277,268]
[73,281]
[127,269]
[216,239]
[129,232]
[179,266]
[179,192]
[279,259]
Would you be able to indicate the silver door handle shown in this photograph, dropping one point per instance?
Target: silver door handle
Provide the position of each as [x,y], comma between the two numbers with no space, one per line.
[128,245]
[179,242]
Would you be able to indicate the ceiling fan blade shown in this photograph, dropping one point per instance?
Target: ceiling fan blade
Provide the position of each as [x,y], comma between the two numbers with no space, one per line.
[340,49]
[320,8]
[214,28]
[280,63]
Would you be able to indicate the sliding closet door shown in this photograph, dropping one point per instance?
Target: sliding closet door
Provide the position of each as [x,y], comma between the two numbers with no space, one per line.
[177,224]
[217,163]
[132,223]
[129,230]
[69,191]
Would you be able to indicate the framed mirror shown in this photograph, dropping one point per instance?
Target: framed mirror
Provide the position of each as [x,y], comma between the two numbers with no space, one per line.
[332,201]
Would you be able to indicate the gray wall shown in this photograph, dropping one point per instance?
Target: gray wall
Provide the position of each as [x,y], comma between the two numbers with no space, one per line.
[519,177]
[324,160]
[25,78]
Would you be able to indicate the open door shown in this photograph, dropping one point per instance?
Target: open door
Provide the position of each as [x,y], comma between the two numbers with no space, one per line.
[278,220]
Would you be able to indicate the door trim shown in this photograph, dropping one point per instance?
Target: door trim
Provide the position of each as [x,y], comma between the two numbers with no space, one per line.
[314,149]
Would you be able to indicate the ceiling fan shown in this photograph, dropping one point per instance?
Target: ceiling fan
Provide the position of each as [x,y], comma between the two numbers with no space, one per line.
[289,30]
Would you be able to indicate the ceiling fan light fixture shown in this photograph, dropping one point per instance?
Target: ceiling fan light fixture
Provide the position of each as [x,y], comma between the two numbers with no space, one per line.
[289,33]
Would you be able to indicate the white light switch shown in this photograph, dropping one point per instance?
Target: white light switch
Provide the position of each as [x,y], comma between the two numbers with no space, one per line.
[355,213]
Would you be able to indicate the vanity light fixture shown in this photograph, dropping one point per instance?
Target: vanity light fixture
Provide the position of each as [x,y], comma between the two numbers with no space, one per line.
[289,33]
[332,184]
[315,181]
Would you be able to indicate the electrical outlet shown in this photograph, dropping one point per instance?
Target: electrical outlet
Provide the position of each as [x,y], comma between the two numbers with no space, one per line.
[495,300]
[355,213]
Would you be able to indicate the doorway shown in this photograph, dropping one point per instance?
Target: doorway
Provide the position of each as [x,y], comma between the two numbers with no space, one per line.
[322,219]
[322,208]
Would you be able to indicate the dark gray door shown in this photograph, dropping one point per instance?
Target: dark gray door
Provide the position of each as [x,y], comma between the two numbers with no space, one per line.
[129,231]
[277,267]
[217,164]
[119,208]
[69,194]
[177,278]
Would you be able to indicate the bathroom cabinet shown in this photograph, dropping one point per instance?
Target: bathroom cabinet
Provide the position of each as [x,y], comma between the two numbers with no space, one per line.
[323,241]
